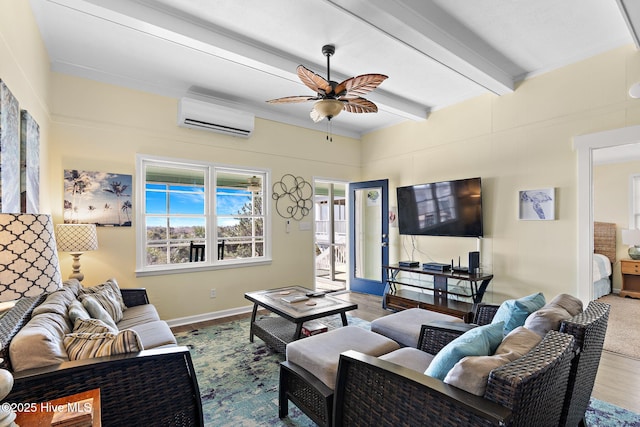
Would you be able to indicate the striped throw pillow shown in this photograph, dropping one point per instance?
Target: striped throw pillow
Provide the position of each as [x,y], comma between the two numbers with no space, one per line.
[108,300]
[86,345]
[92,326]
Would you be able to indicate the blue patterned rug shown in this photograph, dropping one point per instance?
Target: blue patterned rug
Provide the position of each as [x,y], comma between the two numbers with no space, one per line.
[239,380]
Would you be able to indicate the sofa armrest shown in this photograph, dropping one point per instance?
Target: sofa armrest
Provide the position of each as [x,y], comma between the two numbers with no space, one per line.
[483,313]
[435,335]
[371,391]
[134,296]
[160,383]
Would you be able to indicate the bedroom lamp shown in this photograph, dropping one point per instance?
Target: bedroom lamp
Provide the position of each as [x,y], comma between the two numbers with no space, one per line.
[76,239]
[28,259]
[632,238]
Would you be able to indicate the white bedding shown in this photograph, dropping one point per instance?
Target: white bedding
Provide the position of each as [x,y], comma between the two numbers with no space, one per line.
[601,273]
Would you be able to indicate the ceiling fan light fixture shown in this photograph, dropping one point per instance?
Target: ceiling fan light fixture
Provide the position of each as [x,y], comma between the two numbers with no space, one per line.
[254,184]
[326,108]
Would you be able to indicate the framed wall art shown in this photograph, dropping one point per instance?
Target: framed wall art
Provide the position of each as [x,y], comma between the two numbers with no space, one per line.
[537,205]
[9,151]
[29,163]
[99,198]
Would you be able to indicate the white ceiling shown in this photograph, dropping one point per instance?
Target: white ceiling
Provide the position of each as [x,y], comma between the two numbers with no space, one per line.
[241,53]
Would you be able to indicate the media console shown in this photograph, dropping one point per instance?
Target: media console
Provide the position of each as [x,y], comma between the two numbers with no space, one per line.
[409,287]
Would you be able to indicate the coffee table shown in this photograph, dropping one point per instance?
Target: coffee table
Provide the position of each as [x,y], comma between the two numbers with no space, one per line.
[278,331]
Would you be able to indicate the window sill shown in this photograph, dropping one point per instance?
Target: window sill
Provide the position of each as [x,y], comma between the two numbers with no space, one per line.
[222,265]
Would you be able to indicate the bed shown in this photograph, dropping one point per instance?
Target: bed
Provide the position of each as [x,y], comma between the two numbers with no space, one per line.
[604,256]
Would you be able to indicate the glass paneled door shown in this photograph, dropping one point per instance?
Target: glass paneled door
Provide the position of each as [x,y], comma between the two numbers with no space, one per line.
[330,241]
[368,235]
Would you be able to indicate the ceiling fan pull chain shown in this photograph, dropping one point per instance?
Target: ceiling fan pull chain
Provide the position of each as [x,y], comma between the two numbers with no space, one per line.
[329,132]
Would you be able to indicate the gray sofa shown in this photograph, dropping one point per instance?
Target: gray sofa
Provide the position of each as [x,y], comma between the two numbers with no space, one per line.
[156,381]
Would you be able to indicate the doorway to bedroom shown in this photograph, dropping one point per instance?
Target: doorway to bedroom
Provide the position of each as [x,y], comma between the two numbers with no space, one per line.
[330,235]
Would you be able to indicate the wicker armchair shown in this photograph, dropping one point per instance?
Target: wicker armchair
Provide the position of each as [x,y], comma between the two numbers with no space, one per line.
[527,392]
[152,386]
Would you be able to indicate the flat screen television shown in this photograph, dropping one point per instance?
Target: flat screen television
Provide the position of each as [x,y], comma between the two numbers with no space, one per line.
[446,208]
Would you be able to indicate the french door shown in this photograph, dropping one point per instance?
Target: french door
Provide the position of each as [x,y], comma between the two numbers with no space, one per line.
[368,235]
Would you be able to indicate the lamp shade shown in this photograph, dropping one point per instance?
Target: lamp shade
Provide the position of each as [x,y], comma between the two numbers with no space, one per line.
[76,237]
[28,258]
[631,237]
[326,108]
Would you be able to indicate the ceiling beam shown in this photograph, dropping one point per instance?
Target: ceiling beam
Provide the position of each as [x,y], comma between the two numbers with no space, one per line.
[630,10]
[434,33]
[192,33]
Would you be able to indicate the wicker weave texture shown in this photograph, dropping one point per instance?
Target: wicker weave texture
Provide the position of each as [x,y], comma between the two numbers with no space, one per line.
[604,239]
[134,297]
[433,339]
[589,329]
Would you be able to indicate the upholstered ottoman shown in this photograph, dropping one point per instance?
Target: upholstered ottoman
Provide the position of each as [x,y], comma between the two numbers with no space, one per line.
[404,326]
[308,376]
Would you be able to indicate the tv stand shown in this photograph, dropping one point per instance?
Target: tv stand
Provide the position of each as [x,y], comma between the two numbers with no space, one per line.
[409,287]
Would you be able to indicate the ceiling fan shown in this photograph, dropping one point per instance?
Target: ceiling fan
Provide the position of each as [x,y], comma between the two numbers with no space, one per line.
[333,97]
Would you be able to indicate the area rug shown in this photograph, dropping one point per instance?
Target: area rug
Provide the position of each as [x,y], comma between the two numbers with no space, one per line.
[239,380]
[623,329]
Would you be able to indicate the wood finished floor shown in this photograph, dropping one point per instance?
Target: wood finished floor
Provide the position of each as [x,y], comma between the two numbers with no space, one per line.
[617,382]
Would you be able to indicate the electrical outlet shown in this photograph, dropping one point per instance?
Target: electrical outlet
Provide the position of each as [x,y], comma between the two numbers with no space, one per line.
[212,294]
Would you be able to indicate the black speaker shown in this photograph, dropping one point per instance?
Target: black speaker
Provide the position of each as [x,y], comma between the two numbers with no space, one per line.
[474,261]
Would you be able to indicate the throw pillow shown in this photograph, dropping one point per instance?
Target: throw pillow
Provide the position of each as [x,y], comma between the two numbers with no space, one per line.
[109,300]
[111,284]
[472,372]
[77,311]
[514,312]
[546,319]
[86,345]
[96,311]
[480,341]
[92,326]
[519,342]
[570,303]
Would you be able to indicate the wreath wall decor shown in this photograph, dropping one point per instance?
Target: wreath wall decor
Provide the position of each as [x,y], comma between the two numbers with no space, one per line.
[293,197]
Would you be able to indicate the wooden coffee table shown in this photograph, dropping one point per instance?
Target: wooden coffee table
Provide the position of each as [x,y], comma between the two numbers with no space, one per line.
[278,331]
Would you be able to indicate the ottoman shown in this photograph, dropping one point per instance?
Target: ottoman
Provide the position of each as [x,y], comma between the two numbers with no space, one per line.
[404,326]
[308,376]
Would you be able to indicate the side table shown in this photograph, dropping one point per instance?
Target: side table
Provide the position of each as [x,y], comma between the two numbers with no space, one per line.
[41,414]
[630,278]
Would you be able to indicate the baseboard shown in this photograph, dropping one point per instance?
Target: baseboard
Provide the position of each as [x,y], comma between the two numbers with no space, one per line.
[208,316]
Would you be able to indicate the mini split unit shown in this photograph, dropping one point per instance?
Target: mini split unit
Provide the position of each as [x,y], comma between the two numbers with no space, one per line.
[196,114]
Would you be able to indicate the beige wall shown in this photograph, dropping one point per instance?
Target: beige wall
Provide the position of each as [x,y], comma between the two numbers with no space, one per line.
[515,142]
[99,127]
[24,68]
[611,201]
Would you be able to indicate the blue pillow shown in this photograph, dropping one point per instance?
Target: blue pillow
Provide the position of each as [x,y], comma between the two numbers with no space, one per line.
[480,341]
[514,312]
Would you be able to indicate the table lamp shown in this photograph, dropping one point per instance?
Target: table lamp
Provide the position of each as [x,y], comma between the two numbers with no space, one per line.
[28,258]
[632,238]
[76,239]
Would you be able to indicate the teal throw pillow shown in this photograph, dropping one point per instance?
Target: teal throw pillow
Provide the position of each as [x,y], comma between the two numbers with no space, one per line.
[514,312]
[480,341]
[96,311]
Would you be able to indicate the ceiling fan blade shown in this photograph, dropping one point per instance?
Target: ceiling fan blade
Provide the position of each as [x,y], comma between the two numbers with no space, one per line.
[313,81]
[360,85]
[359,105]
[292,99]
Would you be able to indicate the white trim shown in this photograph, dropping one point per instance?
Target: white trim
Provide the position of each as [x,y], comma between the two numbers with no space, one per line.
[209,316]
[585,144]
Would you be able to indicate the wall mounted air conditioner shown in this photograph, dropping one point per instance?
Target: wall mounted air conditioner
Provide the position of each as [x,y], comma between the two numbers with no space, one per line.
[197,114]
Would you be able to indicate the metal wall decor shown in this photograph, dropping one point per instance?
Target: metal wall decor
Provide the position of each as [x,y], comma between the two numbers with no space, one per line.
[293,196]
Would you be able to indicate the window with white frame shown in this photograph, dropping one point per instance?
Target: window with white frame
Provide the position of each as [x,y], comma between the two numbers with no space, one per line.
[185,206]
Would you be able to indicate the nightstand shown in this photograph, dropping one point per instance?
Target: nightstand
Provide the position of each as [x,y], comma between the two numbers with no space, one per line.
[630,278]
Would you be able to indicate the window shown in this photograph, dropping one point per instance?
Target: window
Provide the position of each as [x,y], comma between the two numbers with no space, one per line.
[185,203]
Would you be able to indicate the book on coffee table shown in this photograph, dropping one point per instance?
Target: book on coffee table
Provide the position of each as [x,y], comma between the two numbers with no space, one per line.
[313,327]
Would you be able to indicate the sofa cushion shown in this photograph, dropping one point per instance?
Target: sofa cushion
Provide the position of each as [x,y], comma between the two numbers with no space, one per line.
[137,315]
[514,312]
[404,326]
[320,354]
[472,373]
[546,319]
[88,345]
[77,311]
[570,303]
[92,326]
[39,342]
[57,302]
[154,334]
[97,311]
[409,357]
[480,341]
